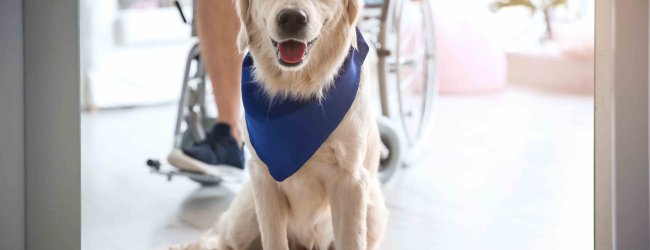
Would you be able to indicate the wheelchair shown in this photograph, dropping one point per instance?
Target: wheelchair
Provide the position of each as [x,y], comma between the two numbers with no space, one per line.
[405,72]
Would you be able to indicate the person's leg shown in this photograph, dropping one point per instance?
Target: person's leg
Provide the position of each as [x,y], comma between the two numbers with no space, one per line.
[217,26]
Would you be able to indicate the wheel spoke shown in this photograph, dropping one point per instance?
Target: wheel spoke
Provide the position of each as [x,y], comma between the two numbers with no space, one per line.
[412,74]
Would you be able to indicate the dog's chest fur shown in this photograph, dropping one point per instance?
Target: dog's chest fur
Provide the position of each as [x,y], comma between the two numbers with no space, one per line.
[306,191]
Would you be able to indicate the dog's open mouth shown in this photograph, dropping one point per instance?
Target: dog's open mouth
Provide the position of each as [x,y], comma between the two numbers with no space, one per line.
[292,52]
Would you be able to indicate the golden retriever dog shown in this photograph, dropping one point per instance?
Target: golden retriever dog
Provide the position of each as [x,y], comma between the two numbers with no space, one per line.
[334,201]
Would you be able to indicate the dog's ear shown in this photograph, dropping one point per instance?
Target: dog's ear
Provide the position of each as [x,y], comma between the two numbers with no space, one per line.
[243,9]
[353,8]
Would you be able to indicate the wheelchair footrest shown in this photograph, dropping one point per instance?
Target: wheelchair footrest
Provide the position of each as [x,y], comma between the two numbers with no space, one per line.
[205,179]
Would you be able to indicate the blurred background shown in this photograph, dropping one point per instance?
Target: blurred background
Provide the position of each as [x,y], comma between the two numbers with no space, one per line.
[506,163]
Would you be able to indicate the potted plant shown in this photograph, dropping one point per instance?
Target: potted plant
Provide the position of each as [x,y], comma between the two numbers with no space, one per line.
[546,7]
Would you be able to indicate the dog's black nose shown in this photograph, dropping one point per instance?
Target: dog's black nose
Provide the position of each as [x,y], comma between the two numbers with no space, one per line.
[292,21]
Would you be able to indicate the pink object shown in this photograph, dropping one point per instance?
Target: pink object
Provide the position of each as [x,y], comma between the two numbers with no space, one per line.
[468,61]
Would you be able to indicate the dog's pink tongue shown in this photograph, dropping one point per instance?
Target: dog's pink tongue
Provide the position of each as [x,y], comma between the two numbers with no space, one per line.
[292,51]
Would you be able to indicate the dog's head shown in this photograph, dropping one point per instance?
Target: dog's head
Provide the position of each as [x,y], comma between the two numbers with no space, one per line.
[298,45]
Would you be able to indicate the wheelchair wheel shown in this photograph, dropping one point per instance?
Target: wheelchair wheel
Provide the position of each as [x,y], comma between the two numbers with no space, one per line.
[391,149]
[407,70]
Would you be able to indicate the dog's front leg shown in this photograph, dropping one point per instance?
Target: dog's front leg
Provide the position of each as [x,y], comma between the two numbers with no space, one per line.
[271,207]
[349,209]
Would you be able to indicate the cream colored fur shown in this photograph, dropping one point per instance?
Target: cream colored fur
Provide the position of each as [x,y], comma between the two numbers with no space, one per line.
[334,201]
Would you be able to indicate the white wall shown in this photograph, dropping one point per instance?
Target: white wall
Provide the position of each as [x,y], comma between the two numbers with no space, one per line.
[11,126]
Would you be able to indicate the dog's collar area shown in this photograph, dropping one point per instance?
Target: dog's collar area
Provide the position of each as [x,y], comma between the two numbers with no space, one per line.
[287,133]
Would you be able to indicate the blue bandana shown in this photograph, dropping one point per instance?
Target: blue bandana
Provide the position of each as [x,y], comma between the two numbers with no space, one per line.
[286,133]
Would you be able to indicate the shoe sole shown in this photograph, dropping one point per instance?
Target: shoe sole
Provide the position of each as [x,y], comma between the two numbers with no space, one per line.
[184,162]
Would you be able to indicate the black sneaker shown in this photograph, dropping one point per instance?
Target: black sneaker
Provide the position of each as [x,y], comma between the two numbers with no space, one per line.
[219,155]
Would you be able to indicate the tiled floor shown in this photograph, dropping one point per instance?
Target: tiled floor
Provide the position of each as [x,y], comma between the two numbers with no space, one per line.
[507,170]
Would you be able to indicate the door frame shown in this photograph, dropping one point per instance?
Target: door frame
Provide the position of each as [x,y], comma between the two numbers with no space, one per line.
[51,124]
[52,143]
[621,125]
